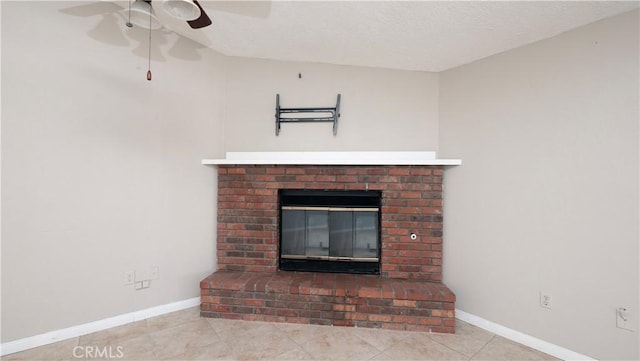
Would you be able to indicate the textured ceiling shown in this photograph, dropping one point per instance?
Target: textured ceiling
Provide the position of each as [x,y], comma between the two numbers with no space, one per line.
[413,35]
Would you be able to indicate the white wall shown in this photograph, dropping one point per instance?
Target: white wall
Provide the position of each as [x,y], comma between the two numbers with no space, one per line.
[101,169]
[547,196]
[380,109]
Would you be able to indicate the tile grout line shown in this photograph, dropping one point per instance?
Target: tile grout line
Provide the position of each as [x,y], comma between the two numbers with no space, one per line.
[456,351]
[275,324]
[374,346]
[429,335]
[482,348]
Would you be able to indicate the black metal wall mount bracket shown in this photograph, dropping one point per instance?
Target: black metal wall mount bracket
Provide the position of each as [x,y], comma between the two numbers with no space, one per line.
[331,115]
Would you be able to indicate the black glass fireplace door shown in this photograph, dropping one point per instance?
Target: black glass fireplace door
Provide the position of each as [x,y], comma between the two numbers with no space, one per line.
[330,239]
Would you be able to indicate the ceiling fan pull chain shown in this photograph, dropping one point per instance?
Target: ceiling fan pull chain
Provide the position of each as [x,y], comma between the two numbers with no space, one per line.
[149,67]
[128,23]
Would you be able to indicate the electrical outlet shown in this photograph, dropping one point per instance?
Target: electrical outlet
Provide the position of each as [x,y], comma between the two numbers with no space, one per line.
[146,284]
[546,300]
[139,286]
[624,319]
[129,277]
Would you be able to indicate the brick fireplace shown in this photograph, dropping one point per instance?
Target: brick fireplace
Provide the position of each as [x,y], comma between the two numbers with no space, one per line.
[406,295]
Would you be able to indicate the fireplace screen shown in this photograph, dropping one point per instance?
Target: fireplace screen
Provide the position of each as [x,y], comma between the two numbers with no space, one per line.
[332,231]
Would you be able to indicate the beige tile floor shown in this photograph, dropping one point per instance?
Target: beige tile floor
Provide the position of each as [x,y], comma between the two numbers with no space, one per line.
[183,335]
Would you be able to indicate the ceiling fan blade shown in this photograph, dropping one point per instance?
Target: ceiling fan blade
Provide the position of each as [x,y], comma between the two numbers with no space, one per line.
[202,21]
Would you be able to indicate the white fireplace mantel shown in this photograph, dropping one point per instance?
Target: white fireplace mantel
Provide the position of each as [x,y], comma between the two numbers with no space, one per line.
[332,158]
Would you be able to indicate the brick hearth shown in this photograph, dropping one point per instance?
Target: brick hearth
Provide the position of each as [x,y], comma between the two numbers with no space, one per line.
[329,299]
[408,294]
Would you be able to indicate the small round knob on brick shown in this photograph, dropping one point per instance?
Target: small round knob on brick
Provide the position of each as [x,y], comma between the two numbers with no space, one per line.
[413,236]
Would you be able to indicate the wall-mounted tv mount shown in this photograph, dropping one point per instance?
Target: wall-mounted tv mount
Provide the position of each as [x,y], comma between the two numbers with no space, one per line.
[309,115]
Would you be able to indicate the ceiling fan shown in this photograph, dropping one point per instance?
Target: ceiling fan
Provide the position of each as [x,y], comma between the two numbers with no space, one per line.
[141,13]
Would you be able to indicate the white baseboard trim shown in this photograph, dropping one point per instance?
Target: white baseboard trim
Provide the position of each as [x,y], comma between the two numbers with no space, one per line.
[87,328]
[519,337]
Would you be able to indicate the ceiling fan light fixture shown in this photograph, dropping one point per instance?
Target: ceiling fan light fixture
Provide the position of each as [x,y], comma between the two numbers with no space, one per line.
[140,13]
[182,9]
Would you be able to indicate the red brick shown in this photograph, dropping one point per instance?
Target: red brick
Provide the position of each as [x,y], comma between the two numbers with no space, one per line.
[304,178]
[348,308]
[265,192]
[404,303]
[209,299]
[355,300]
[398,232]
[343,323]
[234,171]
[325,178]
[419,203]
[443,329]
[399,171]
[379,318]
[399,275]
[389,267]
[377,171]
[294,170]
[219,308]
[369,292]
[251,302]
[320,291]
[420,171]
[432,321]
[404,319]
[346,179]
[443,313]
[410,195]
[275,170]
[286,313]
[387,291]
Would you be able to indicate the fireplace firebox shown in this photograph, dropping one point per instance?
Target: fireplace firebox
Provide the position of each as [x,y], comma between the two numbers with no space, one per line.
[330,231]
